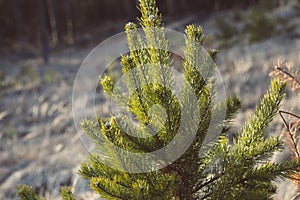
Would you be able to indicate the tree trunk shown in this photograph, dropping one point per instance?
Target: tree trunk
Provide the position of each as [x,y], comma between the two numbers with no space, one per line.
[170,7]
[183,6]
[44,30]
[70,22]
[52,21]
[72,16]
[55,5]
[18,24]
[130,7]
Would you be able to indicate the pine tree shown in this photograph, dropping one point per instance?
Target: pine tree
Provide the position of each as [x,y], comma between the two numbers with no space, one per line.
[208,168]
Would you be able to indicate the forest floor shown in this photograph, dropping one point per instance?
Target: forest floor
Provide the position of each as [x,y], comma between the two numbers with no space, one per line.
[39,144]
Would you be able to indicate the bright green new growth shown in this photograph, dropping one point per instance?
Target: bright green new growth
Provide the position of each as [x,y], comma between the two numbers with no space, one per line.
[27,193]
[220,170]
[67,194]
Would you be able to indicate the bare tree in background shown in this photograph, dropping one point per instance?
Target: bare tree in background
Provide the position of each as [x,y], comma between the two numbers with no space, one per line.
[183,6]
[57,19]
[170,7]
[18,23]
[52,22]
[44,30]
[73,19]
[70,22]
[130,8]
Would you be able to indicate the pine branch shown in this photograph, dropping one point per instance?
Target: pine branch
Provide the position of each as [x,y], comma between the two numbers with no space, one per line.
[26,193]
[67,194]
[253,131]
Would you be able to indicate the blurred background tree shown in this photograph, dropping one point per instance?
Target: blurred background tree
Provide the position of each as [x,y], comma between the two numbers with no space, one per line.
[32,26]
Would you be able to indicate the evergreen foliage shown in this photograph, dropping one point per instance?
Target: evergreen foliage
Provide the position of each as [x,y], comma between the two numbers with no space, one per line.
[67,194]
[238,170]
[27,193]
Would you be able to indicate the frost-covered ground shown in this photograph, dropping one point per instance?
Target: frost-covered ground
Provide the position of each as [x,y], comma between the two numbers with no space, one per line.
[38,142]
